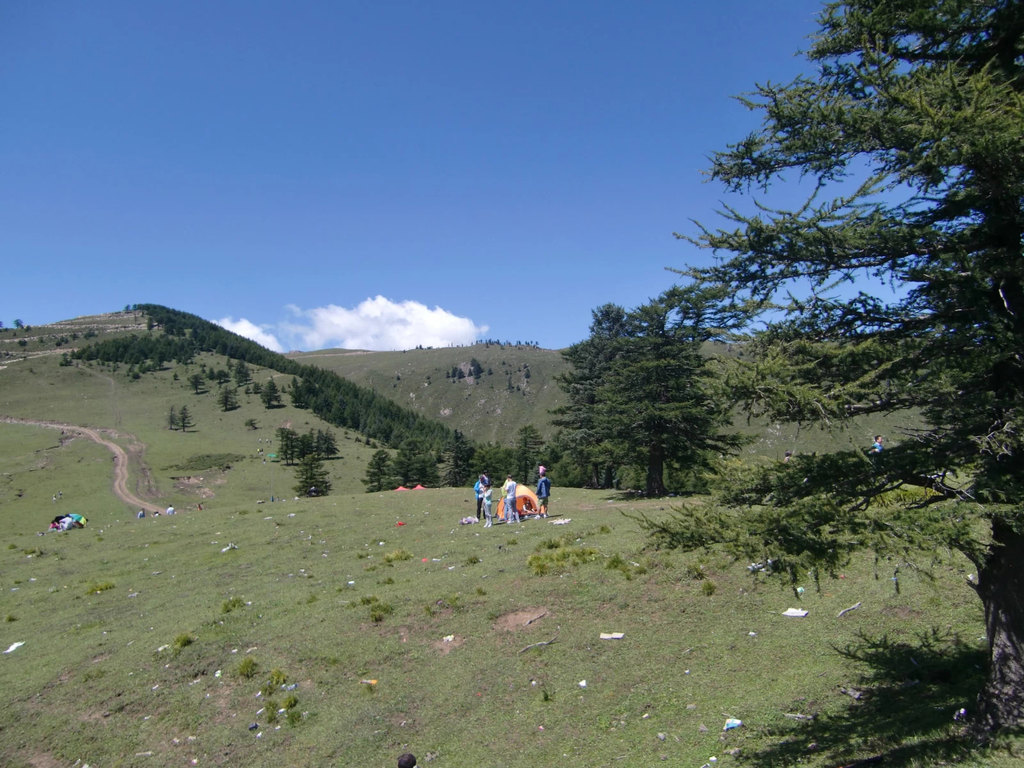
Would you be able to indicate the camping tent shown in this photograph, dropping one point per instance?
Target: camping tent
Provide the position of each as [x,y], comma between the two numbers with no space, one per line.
[526,502]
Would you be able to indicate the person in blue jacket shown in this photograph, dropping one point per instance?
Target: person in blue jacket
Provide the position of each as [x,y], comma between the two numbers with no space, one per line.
[478,488]
[543,490]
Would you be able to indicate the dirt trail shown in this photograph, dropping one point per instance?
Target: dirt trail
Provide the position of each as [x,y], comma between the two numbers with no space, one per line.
[120,457]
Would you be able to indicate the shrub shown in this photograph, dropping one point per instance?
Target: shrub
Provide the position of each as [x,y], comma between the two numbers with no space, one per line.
[397,556]
[231,604]
[247,668]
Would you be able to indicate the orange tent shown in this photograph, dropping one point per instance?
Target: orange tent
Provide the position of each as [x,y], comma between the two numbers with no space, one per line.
[526,502]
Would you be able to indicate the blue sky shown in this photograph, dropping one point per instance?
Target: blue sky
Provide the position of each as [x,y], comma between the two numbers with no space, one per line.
[369,174]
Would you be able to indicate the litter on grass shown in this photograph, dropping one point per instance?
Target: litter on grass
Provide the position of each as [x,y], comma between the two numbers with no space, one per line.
[15,646]
[561,521]
[731,723]
[612,635]
[794,612]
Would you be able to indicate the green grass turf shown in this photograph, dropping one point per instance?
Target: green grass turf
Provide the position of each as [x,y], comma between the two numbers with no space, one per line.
[137,633]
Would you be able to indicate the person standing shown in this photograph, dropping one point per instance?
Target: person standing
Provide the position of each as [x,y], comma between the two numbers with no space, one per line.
[478,489]
[487,506]
[509,491]
[543,490]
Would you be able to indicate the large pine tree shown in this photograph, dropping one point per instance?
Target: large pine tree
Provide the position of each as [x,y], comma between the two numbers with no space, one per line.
[911,129]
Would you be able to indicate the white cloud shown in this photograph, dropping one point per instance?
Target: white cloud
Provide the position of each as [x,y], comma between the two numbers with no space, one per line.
[250,330]
[379,324]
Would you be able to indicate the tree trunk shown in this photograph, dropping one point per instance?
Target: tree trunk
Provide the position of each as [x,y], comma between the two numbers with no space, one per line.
[655,471]
[1001,588]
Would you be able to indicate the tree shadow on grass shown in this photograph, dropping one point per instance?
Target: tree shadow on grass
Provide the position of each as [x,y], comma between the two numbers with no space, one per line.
[903,709]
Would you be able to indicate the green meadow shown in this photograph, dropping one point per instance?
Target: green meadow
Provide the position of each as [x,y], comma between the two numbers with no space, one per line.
[349,629]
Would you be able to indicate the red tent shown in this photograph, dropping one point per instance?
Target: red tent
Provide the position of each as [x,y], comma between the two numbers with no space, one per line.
[401,488]
[419,488]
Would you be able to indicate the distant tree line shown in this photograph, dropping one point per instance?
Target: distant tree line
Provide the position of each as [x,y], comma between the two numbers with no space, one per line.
[331,397]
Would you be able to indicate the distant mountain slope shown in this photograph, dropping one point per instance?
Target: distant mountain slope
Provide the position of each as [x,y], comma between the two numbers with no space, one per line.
[172,335]
[487,391]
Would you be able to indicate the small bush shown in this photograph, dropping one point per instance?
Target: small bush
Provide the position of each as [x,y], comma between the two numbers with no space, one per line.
[472,560]
[183,640]
[247,668]
[96,587]
[696,571]
[708,587]
[617,563]
[231,604]
[380,611]
[397,556]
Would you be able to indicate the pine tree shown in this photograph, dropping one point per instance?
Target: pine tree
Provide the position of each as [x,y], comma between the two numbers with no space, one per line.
[455,460]
[311,479]
[912,131]
[270,395]
[287,444]
[227,399]
[378,472]
[185,419]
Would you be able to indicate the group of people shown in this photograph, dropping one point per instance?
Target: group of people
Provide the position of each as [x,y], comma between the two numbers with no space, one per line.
[509,491]
[67,522]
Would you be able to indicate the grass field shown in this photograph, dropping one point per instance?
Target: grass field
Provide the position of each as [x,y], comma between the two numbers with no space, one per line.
[346,630]
[246,637]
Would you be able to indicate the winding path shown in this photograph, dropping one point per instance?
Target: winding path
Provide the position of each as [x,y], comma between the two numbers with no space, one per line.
[120,457]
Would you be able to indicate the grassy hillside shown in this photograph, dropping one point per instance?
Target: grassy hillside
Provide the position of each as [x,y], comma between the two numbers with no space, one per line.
[220,461]
[349,629]
[516,387]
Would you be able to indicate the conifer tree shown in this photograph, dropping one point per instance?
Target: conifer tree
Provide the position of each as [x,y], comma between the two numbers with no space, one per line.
[911,132]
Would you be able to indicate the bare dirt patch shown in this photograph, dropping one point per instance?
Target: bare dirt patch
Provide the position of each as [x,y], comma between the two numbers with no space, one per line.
[195,486]
[43,760]
[447,644]
[513,622]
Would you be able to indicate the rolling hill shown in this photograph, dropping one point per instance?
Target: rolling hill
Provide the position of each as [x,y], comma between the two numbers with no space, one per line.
[514,385]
